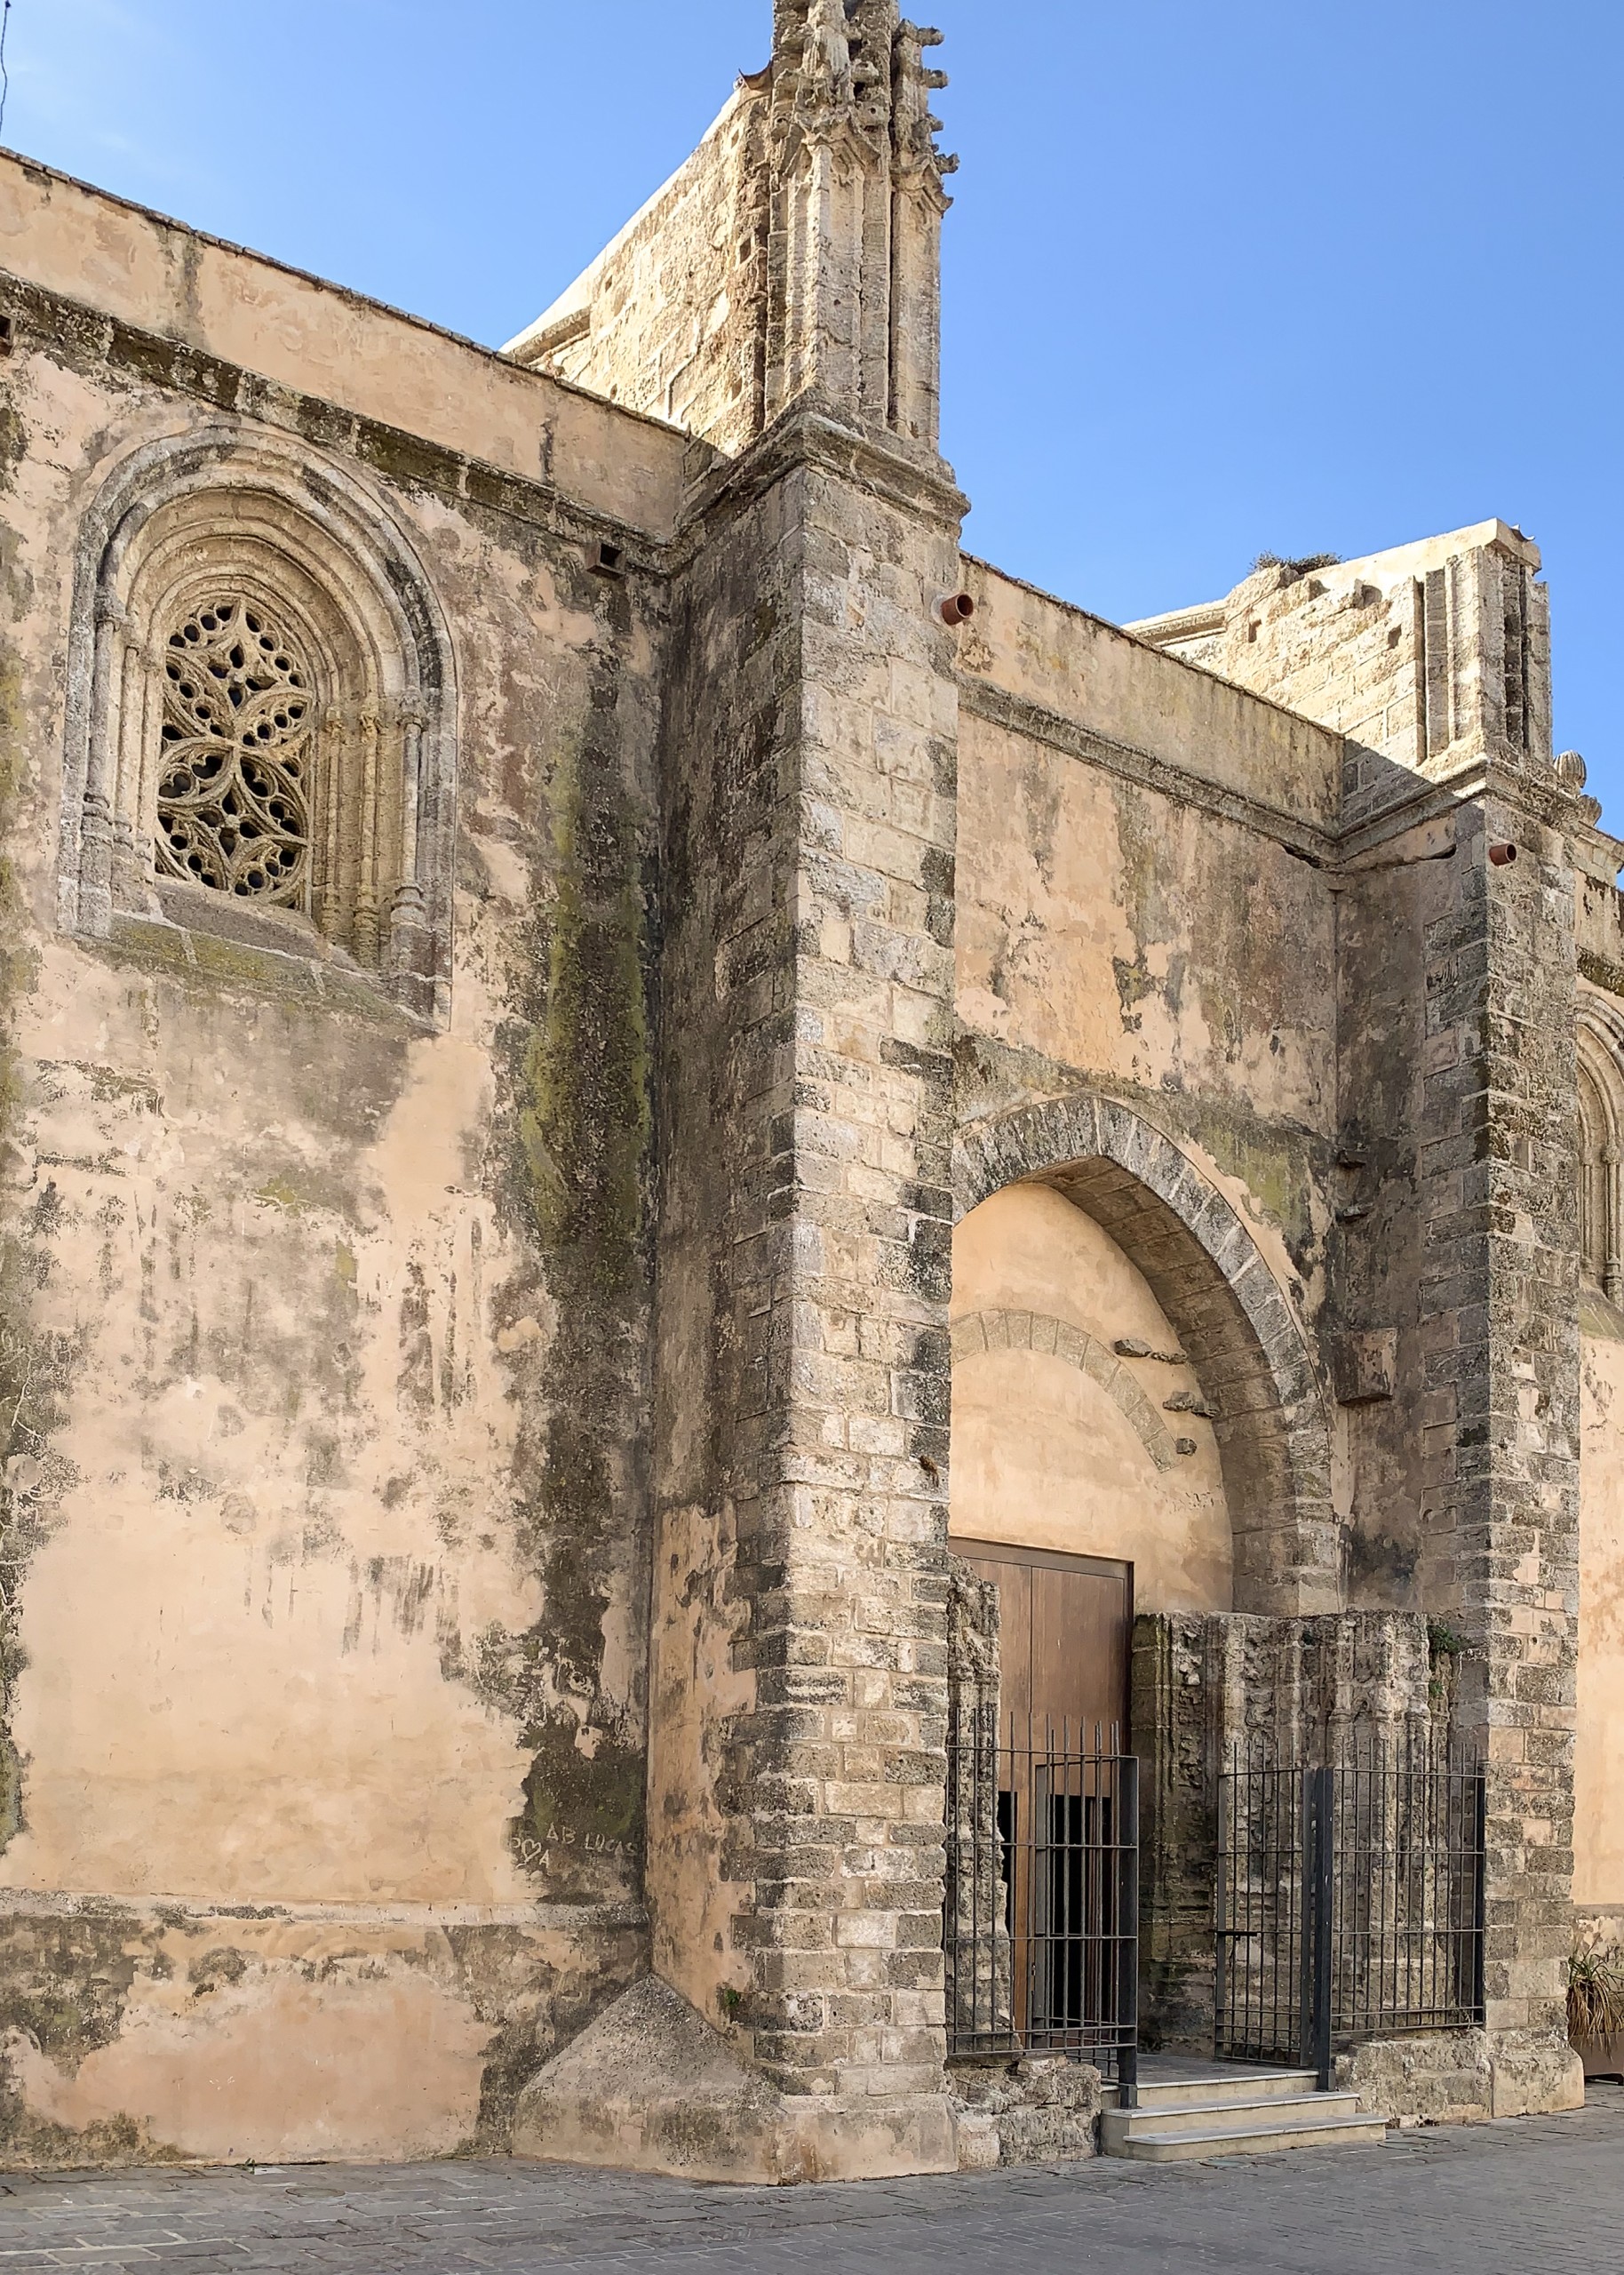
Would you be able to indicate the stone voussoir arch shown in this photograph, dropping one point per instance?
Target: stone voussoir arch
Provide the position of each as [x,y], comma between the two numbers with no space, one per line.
[1027,1330]
[1235,1321]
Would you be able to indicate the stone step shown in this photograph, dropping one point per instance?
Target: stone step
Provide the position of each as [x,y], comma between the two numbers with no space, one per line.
[1225,2116]
[1220,2085]
[1165,2147]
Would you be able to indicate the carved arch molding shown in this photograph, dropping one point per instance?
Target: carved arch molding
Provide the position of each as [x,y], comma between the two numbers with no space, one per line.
[1600,1040]
[261,713]
[1243,1336]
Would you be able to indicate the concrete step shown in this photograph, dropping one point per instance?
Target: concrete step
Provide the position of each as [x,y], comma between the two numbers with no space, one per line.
[1218,2085]
[1229,2115]
[1167,2147]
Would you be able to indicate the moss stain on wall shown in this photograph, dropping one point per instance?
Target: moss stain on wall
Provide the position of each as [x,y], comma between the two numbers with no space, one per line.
[581,1121]
[35,1368]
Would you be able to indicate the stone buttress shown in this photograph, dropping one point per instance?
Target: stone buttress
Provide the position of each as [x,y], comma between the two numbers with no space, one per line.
[799,1688]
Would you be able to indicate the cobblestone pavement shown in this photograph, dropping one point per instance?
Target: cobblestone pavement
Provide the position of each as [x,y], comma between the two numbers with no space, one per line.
[1536,2196]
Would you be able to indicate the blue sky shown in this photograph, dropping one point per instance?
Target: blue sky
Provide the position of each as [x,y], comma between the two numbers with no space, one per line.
[1273,274]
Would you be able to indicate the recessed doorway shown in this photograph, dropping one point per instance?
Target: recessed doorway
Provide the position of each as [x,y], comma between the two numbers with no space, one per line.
[1041,1817]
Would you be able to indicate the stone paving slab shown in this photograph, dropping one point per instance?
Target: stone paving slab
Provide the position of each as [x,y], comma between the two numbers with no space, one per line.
[1532,2196]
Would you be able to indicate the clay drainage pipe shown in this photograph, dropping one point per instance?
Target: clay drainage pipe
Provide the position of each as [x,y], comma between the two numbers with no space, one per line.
[1502,855]
[954,609]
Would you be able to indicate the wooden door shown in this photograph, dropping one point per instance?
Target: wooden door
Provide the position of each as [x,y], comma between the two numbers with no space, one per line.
[1065,1635]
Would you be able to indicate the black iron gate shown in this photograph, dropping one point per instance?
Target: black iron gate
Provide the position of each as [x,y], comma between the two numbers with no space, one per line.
[1041,1932]
[1350,1902]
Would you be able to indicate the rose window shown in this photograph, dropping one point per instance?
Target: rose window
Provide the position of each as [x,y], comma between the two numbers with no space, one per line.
[233,775]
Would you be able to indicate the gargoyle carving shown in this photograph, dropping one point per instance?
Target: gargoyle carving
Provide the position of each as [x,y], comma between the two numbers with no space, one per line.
[913,124]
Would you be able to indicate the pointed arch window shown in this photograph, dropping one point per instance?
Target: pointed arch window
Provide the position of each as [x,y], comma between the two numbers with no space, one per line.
[265,738]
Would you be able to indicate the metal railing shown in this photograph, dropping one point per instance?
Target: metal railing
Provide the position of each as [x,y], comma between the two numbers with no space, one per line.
[1041,1929]
[1350,1901]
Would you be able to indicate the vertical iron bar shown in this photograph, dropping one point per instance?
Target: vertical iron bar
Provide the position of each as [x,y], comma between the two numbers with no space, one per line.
[1480,1828]
[1307,1846]
[1325,1851]
[1226,1802]
[1126,1829]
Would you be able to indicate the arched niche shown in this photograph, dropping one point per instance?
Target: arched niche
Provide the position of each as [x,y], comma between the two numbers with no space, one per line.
[227,575]
[1601,1146]
[1078,1419]
[1233,1322]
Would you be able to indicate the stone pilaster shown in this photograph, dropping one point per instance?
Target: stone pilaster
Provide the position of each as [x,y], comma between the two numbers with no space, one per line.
[799,1676]
[1498,1220]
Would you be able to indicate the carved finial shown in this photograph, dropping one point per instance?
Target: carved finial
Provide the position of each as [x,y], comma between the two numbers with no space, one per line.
[1571,768]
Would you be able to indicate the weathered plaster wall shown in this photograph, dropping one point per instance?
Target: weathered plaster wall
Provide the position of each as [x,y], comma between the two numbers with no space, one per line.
[214,303]
[324,1334]
[1115,927]
[1029,647]
[1127,910]
[1598,1774]
[1065,1444]
[1142,911]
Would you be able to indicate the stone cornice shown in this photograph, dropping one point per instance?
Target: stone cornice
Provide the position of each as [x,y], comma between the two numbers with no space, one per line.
[1542,795]
[806,435]
[1022,716]
[81,332]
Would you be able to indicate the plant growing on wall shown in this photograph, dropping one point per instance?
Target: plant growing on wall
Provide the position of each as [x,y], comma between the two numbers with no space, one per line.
[1596,1995]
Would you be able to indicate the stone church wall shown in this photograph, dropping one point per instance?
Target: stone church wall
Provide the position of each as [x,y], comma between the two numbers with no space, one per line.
[476,1336]
[323,1348]
[1197,989]
[1202,983]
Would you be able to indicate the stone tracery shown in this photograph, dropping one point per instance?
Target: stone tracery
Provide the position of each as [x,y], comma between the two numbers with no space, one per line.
[234,754]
